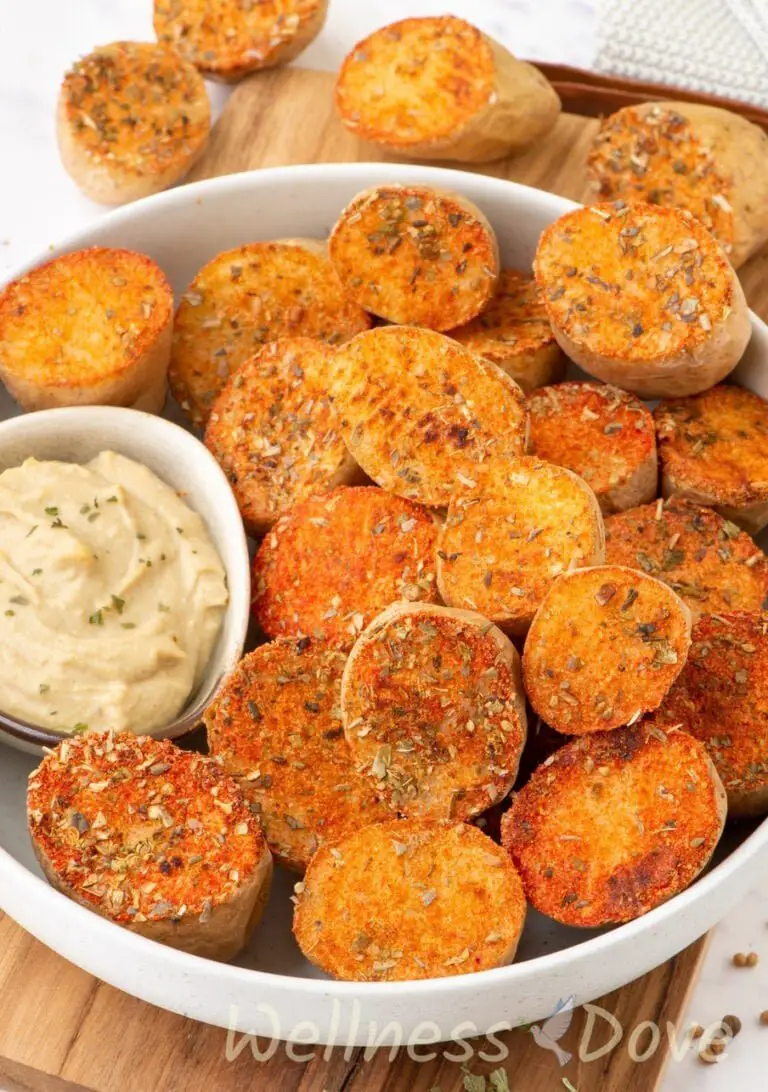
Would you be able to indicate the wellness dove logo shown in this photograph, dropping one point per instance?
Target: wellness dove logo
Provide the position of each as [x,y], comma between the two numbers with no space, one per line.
[553,1029]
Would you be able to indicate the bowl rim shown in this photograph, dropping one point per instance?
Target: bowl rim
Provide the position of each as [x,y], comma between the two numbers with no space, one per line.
[228,516]
[22,882]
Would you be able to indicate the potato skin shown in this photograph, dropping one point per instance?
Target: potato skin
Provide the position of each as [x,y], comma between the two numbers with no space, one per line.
[403,396]
[132,119]
[703,158]
[409,899]
[276,727]
[227,40]
[604,648]
[415,255]
[513,332]
[706,560]
[437,88]
[332,563]
[614,824]
[92,327]
[721,698]
[193,869]
[503,543]
[681,325]
[601,433]
[273,432]
[434,711]
[714,451]
[243,299]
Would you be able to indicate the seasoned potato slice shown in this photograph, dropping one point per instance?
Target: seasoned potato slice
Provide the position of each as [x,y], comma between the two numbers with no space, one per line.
[243,299]
[229,39]
[504,542]
[605,646]
[714,450]
[434,711]
[721,698]
[332,563]
[614,824]
[705,559]
[276,727]
[415,255]
[420,414]
[89,328]
[273,432]
[701,158]
[603,434]
[412,898]
[437,88]
[153,838]
[642,297]
[132,119]
[514,332]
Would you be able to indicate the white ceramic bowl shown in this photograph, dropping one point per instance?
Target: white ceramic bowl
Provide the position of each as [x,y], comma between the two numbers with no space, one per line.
[273,989]
[79,433]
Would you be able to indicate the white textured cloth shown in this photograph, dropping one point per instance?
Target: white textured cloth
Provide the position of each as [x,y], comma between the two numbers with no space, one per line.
[715,46]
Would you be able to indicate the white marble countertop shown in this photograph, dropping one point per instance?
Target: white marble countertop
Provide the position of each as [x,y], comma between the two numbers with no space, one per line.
[39,204]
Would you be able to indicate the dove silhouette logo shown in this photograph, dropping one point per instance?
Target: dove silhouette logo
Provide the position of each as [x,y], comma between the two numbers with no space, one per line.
[554,1028]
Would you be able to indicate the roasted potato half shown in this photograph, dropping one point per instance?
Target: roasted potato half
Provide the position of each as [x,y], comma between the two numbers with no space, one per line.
[133,117]
[230,39]
[613,824]
[714,450]
[155,839]
[642,297]
[434,711]
[89,328]
[701,158]
[415,255]
[601,433]
[604,648]
[408,899]
[513,331]
[437,88]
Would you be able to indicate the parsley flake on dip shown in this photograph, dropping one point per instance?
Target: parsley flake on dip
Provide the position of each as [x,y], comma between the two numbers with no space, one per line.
[112,596]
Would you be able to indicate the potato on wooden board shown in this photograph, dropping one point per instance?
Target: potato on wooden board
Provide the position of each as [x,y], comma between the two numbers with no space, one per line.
[133,117]
[643,297]
[504,542]
[711,564]
[714,450]
[613,824]
[514,332]
[276,727]
[334,562]
[605,646]
[89,328]
[153,838]
[702,158]
[246,297]
[721,698]
[415,255]
[434,710]
[601,433]
[274,434]
[438,88]
[409,899]
[229,39]
[421,415]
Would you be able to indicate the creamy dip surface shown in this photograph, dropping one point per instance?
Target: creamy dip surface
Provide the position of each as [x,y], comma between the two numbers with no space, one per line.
[112,596]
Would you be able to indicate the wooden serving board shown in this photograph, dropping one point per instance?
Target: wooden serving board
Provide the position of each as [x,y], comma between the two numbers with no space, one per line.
[61,1030]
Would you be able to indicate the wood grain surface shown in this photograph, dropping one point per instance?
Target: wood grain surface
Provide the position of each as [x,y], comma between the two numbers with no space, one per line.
[63,1031]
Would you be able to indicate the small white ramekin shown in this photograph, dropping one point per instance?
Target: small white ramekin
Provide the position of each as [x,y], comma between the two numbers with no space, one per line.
[79,433]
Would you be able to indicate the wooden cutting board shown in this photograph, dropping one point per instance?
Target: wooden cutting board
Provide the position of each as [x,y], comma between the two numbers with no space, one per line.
[63,1031]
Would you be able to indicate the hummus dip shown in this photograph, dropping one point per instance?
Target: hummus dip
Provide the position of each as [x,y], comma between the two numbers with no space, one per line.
[111,596]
